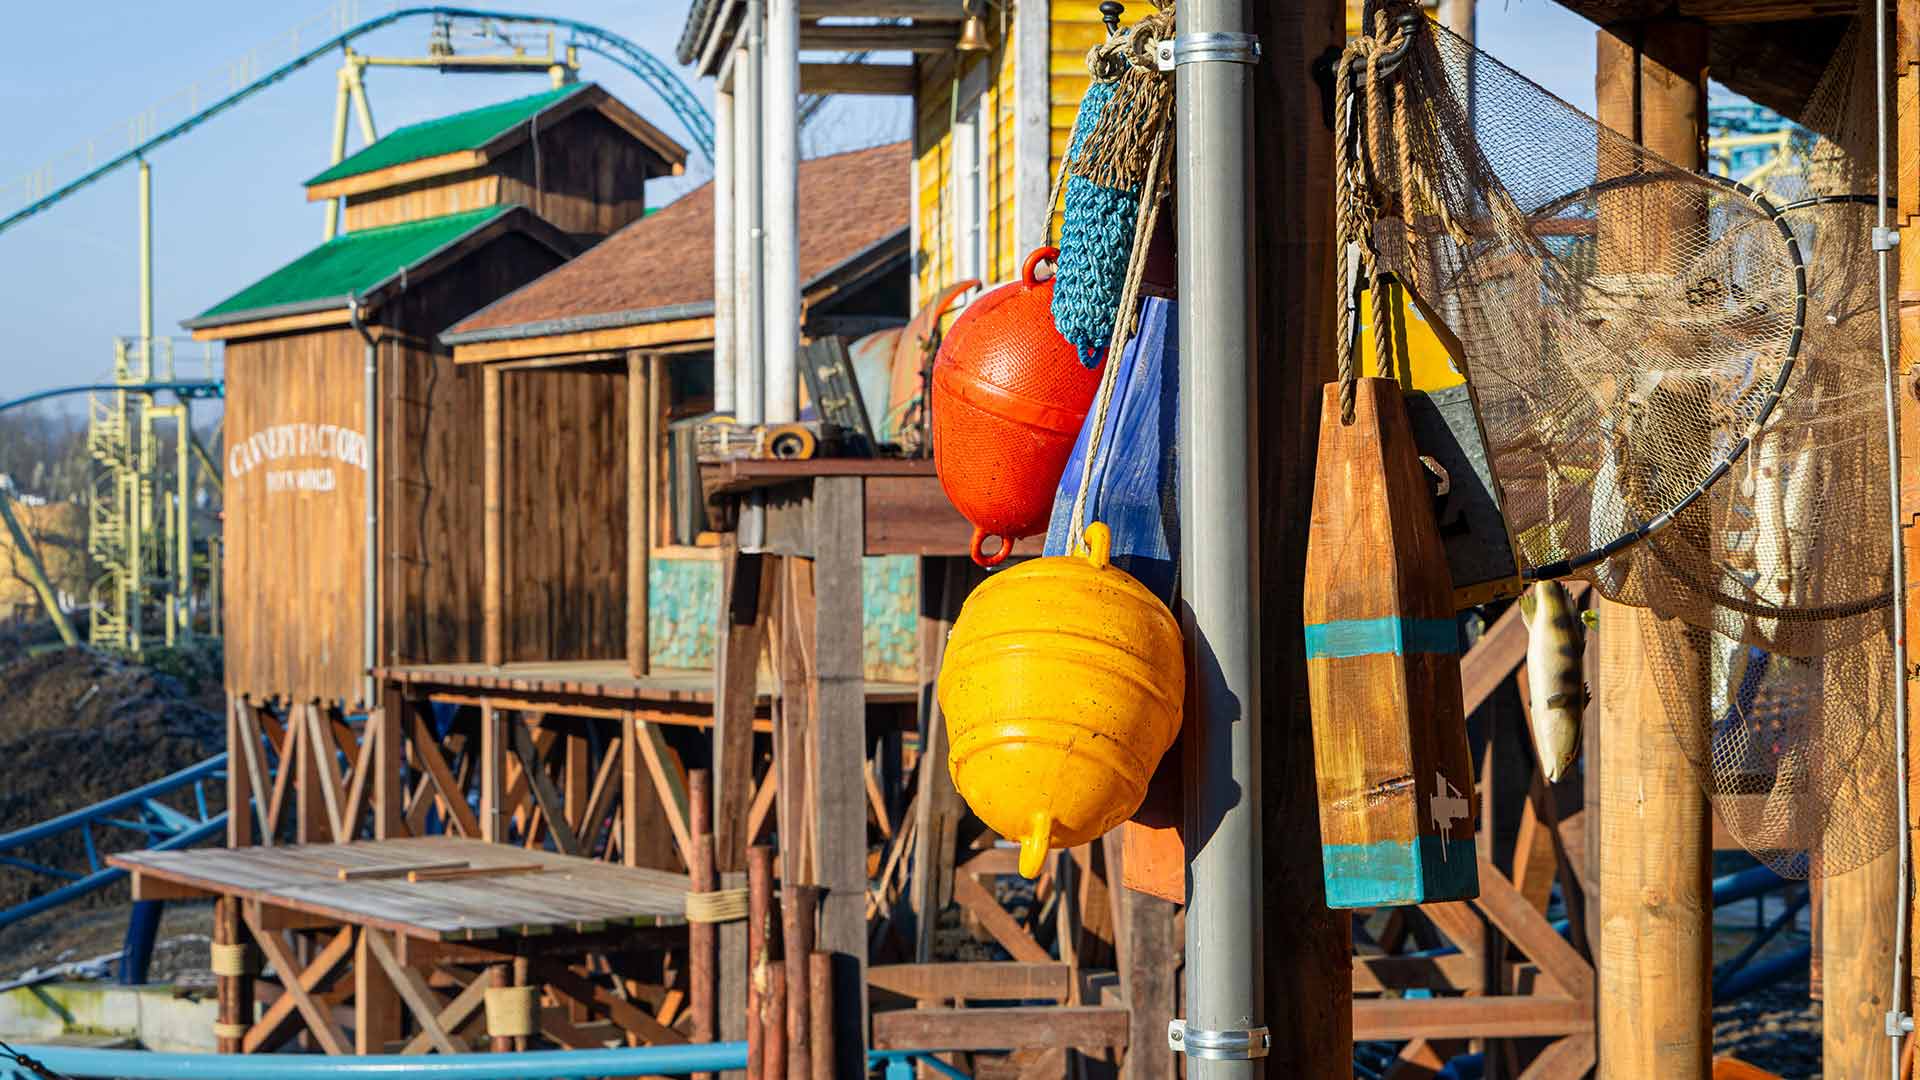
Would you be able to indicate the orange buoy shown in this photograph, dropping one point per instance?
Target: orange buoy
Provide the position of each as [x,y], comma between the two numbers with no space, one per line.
[1009,395]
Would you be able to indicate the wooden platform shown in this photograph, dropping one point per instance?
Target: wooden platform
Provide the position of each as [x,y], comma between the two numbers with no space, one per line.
[594,687]
[566,895]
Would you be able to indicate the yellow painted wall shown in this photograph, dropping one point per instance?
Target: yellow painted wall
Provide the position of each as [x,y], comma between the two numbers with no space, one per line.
[1075,27]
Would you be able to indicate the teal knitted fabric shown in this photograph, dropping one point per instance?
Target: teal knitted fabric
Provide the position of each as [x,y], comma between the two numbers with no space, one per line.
[1096,241]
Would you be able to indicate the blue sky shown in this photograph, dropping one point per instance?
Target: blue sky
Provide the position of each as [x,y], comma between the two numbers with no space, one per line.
[228,202]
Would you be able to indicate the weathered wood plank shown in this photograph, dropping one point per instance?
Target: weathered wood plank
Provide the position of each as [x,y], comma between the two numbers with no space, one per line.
[978,981]
[1082,1027]
[1469,1018]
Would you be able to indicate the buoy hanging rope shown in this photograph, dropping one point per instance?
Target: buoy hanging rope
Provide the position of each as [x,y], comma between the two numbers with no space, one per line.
[1134,132]
[1124,119]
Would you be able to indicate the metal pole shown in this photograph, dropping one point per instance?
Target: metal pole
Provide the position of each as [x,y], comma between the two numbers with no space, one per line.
[724,337]
[1224,1028]
[362,111]
[780,192]
[339,146]
[370,550]
[751,344]
[146,269]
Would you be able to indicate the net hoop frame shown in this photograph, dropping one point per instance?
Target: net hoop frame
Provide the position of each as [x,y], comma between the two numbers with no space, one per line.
[1789,362]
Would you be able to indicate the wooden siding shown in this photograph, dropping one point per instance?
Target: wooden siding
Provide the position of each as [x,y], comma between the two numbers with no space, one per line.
[292,576]
[565,513]
[1074,27]
[293,567]
[934,228]
[591,179]
[427,198]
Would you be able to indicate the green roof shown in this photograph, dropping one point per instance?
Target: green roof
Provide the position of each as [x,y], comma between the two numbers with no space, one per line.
[469,130]
[349,264]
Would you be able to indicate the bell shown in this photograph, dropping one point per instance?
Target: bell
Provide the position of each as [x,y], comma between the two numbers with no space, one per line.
[973,32]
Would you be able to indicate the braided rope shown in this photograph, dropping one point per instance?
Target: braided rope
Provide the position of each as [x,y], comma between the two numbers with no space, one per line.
[229,960]
[718,906]
[510,1011]
[1154,190]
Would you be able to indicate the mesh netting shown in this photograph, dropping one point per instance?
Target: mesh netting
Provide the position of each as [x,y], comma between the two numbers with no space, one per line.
[1664,415]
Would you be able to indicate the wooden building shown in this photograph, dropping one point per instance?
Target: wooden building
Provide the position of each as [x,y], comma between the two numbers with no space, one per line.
[434,244]
[575,156]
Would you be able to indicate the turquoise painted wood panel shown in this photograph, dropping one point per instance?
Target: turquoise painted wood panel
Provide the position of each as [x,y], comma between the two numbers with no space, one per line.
[683,599]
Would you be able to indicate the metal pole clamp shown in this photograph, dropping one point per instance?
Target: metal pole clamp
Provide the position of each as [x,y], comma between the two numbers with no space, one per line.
[1207,48]
[1235,1045]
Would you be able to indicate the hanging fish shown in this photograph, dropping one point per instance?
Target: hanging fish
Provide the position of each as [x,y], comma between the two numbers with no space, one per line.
[1556,694]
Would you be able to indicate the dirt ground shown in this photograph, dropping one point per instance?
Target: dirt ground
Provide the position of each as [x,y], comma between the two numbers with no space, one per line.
[78,726]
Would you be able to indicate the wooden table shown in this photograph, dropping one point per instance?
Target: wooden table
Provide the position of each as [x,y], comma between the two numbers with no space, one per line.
[431,924]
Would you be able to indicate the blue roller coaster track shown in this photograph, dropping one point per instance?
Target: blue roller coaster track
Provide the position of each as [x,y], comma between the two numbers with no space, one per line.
[658,77]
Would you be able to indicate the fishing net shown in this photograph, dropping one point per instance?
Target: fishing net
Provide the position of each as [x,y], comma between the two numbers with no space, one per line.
[1679,387]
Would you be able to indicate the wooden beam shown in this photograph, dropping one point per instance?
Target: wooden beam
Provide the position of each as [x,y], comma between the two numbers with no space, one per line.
[837,752]
[924,37]
[242,770]
[1081,1027]
[988,981]
[637,336]
[494,813]
[412,989]
[493,557]
[878,9]
[396,175]
[299,984]
[1308,978]
[452,1018]
[669,783]
[640,507]
[285,324]
[746,596]
[1656,949]
[452,794]
[376,1004]
[1470,1018]
[1006,930]
[884,80]
[546,796]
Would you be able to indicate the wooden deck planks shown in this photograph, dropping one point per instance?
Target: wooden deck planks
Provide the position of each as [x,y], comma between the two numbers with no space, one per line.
[569,895]
[608,679]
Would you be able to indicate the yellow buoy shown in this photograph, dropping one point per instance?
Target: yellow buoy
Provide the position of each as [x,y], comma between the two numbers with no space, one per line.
[1062,688]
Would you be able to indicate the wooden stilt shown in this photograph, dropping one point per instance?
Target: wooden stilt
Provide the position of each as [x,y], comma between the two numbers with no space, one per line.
[773,1022]
[1655,971]
[701,937]
[500,977]
[820,987]
[376,1001]
[838,754]
[760,923]
[235,988]
[1308,1003]
[240,774]
[799,908]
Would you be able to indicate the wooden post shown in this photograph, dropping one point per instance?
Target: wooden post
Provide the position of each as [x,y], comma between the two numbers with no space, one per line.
[235,989]
[377,1008]
[799,908]
[745,597]
[493,627]
[1856,946]
[500,976]
[1308,965]
[837,757]
[493,775]
[386,724]
[773,1023]
[239,779]
[793,626]
[701,936]
[820,986]
[641,416]
[1149,945]
[311,825]
[1656,963]
[937,809]
[760,920]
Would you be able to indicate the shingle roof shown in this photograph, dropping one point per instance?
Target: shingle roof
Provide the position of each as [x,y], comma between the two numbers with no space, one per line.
[347,265]
[468,130]
[661,266]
